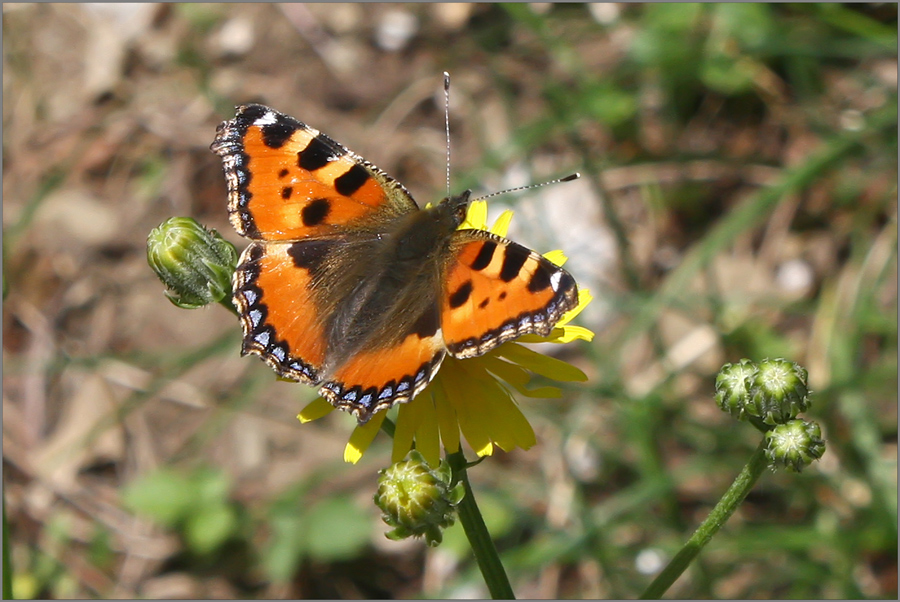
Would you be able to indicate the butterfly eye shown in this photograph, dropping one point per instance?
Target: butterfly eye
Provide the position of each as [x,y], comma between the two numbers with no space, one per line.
[461,203]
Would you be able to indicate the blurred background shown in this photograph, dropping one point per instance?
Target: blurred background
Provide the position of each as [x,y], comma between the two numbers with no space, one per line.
[739,199]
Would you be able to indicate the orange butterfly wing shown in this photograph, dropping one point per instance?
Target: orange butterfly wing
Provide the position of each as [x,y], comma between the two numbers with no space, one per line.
[299,193]
[288,181]
[495,290]
[374,380]
[275,299]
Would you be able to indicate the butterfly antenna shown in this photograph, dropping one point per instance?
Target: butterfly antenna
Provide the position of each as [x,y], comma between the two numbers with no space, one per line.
[447,123]
[568,178]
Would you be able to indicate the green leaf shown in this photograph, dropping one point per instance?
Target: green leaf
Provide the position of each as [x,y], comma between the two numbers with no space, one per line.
[209,528]
[676,18]
[727,74]
[608,104]
[164,496]
[336,529]
[211,485]
[285,550]
[748,23]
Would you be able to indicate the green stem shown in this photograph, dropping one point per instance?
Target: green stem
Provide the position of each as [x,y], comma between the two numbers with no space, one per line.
[719,515]
[482,545]
[388,427]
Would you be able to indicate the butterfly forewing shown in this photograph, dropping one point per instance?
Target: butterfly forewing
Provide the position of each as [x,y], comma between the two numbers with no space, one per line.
[288,181]
[496,290]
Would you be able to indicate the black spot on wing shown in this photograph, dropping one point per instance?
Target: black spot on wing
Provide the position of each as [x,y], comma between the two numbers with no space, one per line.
[459,297]
[286,192]
[247,114]
[274,135]
[315,212]
[427,324]
[513,260]
[309,254]
[352,180]
[317,154]
[540,280]
[566,282]
[485,254]
[283,173]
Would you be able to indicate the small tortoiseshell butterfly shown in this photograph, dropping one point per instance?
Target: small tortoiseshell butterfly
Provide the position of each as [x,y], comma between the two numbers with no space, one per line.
[347,285]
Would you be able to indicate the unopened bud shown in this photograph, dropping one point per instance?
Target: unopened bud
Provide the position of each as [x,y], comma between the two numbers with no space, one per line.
[195,263]
[418,500]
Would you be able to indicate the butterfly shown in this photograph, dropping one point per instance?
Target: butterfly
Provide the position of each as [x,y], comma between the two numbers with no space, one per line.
[349,286]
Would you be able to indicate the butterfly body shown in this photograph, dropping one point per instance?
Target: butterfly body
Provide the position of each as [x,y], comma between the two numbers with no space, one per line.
[349,286]
[371,292]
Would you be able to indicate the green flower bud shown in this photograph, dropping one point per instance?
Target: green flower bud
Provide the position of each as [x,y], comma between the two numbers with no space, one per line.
[733,387]
[794,444]
[416,499]
[778,391]
[195,263]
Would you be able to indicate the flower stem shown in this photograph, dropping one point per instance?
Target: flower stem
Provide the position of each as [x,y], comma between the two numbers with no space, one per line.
[705,532]
[388,427]
[482,545]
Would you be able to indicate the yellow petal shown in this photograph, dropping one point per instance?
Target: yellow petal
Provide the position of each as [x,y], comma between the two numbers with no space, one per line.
[559,335]
[536,338]
[362,438]
[468,401]
[584,297]
[518,377]
[511,373]
[540,363]
[501,226]
[488,412]
[541,392]
[408,419]
[446,414]
[496,413]
[484,450]
[516,430]
[427,440]
[567,334]
[314,410]
[556,257]
[476,216]
[504,422]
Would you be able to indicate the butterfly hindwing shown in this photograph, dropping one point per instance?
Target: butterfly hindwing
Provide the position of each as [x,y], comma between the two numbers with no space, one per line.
[376,379]
[495,290]
[288,181]
[276,299]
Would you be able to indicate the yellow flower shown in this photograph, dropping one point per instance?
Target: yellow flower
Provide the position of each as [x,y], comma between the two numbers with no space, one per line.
[473,396]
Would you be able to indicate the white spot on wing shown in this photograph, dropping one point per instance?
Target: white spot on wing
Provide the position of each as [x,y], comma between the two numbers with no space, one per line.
[554,281]
[268,119]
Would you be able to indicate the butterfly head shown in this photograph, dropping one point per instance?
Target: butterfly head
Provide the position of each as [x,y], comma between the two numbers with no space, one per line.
[455,207]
